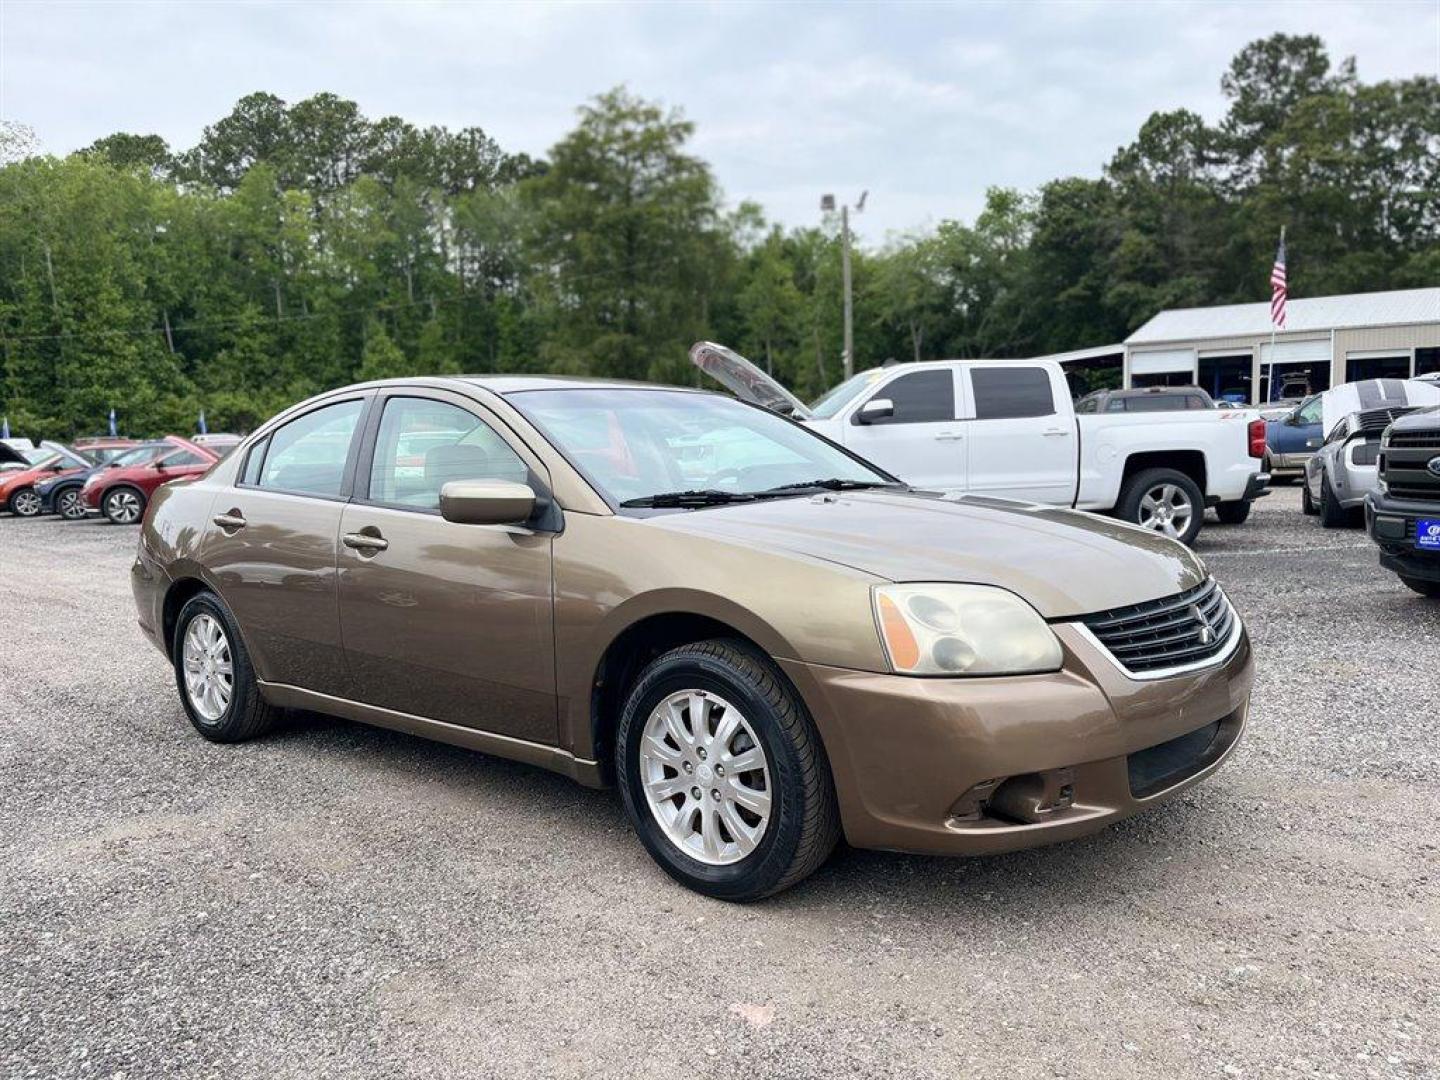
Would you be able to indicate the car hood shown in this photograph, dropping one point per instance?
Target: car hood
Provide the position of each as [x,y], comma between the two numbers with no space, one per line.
[1063,562]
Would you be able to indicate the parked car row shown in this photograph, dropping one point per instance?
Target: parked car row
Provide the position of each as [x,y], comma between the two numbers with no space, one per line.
[115,477]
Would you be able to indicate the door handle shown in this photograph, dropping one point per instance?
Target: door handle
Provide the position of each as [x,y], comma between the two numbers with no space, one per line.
[230,522]
[363,542]
[1056,433]
[949,436]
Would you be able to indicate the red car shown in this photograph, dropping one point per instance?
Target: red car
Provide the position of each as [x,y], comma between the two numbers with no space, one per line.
[122,494]
[17,486]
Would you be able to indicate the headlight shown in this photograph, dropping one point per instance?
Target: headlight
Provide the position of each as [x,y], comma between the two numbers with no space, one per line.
[943,629]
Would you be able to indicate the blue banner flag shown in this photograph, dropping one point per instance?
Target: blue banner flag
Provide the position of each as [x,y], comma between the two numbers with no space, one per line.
[112,424]
[5,428]
[203,429]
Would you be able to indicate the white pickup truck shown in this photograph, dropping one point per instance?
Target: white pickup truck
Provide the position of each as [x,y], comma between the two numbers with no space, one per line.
[1008,428]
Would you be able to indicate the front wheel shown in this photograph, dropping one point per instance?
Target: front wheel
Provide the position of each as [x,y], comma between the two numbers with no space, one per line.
[1423,587]
[213,673]
[1307,504]
[25,502]
[70,504]
[123,505]
[1233,513]
[1165,501]
[723,774]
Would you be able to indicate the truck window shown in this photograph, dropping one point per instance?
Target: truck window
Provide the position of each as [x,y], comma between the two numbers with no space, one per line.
[1003,393]
[920,397]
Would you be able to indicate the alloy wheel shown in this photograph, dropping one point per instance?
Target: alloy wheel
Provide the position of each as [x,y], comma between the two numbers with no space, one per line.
[123,507]
[706,777]
[1167,509]
[70,505]
[209,668]
[25,503]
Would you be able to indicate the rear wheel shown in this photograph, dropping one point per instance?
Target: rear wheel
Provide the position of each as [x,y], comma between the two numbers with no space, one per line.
[723,774]
[1332,514]
[214,676]
[1233,513]
[1423,587]
[1164,501]
[25,502]
[70,504]
[123,505]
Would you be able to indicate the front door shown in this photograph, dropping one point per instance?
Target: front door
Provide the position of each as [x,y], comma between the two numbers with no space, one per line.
[445,621]
[921,442]
[1021,445]
[271,546]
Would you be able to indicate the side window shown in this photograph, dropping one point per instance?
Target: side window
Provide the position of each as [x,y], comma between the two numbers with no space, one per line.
[424,444]
[1116,405]
[1003,393]
[308,454]
[1310,412]
[1195,401]
[1087,405]
[251,476]
[183,458]
[921,397]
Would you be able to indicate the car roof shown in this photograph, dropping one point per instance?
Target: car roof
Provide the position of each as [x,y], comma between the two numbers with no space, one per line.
[512,384]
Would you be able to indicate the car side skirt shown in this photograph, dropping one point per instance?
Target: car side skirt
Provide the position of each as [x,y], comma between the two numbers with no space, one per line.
[553,758]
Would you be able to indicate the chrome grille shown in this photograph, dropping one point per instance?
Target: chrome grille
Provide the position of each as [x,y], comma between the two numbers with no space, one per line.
[1418,440]
[1179,630]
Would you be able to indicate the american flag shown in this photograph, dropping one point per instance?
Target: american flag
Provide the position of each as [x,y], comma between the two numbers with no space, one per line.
[1278,289]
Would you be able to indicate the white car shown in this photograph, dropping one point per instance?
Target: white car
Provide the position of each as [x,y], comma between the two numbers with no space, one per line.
[1008,428]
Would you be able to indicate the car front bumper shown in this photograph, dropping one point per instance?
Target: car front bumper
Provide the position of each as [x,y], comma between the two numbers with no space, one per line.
[1391,524]
[923,764]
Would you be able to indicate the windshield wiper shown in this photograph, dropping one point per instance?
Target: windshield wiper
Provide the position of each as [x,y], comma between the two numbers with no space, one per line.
[702,497]
[829,484]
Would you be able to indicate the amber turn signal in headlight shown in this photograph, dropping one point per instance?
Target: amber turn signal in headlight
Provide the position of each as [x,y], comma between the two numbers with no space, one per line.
[947,629]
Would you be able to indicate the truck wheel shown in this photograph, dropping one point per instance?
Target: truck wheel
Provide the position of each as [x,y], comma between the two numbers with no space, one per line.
[1164,501]
[1233,513]
[1423,587]
[1332,514]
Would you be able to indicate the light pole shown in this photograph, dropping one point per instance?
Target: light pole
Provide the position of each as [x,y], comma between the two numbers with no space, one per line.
[827,205]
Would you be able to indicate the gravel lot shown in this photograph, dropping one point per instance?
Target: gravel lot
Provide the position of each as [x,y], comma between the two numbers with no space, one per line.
[341,901]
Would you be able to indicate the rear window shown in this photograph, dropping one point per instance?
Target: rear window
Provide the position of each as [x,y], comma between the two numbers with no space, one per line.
[1004,393]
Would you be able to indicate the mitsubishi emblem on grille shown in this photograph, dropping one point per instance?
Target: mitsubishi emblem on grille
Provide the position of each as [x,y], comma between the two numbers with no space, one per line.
[1207,631]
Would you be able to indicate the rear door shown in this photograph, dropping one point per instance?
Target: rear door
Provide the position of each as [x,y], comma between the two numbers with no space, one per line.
[1022,443]
[922,442]
[272,544]
[445,621]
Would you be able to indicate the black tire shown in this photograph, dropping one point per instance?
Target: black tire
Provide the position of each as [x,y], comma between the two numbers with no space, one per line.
[1307,504]
[1423,587]
[1233,513]
[246,715]
[24,502]
[1147,480]
[804,822]
[117,506]
[69,503]
[1332,514]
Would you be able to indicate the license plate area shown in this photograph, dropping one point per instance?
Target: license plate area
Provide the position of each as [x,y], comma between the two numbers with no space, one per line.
[1427,534]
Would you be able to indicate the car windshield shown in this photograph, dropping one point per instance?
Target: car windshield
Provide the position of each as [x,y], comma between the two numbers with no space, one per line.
[638,444]
[836,398]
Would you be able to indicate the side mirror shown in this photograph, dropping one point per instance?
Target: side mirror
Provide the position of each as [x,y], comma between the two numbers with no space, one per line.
[487,502]
[879,408]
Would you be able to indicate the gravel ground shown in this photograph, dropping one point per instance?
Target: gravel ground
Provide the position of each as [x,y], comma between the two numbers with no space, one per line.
[339,901]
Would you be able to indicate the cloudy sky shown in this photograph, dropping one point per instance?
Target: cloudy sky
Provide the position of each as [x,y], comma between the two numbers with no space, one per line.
[925,105]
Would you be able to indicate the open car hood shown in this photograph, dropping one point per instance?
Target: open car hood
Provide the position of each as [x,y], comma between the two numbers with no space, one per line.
[746,381]
[1369,394]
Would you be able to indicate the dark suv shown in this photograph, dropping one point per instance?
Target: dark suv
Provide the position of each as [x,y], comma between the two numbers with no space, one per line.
[1403,517]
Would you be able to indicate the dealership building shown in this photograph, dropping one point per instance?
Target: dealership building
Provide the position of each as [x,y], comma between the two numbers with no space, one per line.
[1327,340]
